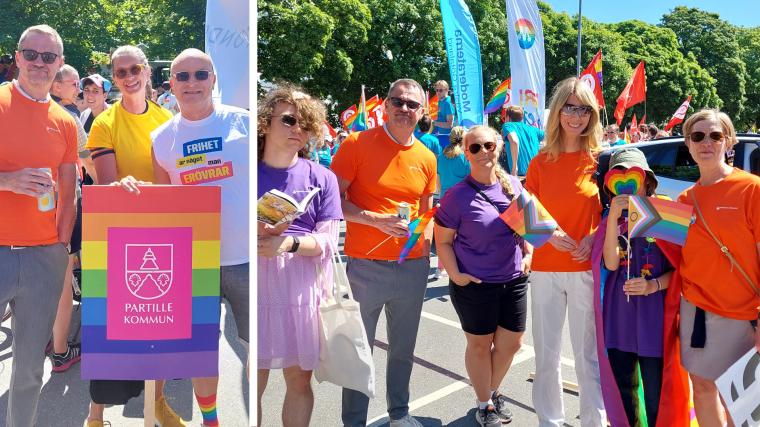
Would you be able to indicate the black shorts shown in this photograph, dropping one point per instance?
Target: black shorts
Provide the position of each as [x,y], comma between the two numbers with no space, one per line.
[76,233]
[114,392]
[482,307]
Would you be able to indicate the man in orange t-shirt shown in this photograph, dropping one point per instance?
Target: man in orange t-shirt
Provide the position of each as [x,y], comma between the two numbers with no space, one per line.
[378,170]
[39,135]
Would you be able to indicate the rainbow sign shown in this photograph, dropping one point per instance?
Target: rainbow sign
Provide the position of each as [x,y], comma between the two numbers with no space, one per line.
[658,218]
[500,96]
[528,218]
[416,228]
[526,33]
[150,265]
[625,181]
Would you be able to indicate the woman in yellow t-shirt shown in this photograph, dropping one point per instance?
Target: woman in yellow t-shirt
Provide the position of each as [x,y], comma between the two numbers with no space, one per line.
[719,304]
[562,177]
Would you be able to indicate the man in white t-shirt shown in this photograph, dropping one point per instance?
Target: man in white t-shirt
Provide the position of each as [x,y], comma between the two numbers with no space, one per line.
[207,144]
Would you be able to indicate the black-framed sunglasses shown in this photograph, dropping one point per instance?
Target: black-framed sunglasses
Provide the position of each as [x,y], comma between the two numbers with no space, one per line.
[700,136]
[199,75]
[411,105]
[288,120]
[578,110]
[31,55]
[475,148]
[134,70]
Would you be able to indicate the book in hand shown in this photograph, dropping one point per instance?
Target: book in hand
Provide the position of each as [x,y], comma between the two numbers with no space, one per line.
[276,207]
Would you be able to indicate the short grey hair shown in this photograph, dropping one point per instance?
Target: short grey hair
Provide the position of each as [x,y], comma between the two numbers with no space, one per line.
[66,70]
[408,82]
[129,50]
[42,29]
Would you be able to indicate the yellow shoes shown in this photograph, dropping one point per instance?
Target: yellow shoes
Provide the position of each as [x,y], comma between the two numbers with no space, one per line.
[165,415]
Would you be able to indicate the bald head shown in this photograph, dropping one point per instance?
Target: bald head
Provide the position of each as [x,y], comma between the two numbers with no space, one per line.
[192,54]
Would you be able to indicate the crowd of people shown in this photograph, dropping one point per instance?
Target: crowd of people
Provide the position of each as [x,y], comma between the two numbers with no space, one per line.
[670,320]
[52,148]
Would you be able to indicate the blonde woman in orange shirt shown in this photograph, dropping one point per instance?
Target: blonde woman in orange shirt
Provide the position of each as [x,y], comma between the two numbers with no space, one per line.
[720,296]
[562,176]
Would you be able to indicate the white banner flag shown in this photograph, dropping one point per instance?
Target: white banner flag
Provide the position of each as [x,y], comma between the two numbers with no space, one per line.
[227,42]
[740,387]
[526,59]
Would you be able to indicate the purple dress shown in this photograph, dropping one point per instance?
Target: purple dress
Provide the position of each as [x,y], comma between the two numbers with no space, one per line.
[635,326]
[289,288]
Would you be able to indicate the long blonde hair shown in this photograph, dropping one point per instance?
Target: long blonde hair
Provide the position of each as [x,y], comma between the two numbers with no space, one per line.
[501,174]
[454,148]
[591,135]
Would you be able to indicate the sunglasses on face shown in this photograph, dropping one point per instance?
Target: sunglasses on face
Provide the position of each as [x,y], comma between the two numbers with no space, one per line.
[288,120]
[399,103]
[700,136]
[475,148]
[134,70]
[184,76]
[31,55]
[578,110]
[441,90]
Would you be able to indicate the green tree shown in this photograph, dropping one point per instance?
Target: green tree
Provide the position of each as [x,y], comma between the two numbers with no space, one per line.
[749,40]
[713,42]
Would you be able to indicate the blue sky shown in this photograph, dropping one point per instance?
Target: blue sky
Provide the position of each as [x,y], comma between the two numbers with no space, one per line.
[737,12]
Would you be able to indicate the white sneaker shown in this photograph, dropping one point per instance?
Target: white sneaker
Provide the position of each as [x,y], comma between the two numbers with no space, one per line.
[406,421]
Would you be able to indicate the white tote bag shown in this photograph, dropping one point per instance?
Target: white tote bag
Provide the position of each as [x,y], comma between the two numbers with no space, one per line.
[345,358]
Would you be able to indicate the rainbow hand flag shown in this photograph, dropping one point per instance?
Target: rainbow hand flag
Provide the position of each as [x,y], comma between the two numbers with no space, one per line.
[500,96]
[528,218]
[658,218]
[360,119]
[416,228]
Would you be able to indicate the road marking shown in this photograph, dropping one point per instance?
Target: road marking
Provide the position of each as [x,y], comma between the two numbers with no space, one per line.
[564,360]
[424,400]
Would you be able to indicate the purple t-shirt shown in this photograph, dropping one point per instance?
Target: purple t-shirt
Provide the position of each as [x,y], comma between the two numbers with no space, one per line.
[484,245]
[296,181]
[635,326]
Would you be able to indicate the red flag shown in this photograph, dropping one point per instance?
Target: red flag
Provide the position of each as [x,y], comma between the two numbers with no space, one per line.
[679,114]
[330,130]
[635,91]
[592,76]
[643,120]
[634,126]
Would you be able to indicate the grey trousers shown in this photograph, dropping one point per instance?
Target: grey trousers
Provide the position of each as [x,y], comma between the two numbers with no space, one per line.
[400,289]
[31,280]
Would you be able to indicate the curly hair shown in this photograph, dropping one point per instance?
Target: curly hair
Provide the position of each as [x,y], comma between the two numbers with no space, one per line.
[311,114]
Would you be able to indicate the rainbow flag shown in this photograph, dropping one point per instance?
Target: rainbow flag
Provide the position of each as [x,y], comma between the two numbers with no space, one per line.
[360,119]
[348,116]
[658,218]
[528,218]
[416,228]
[500,96]
[150,309]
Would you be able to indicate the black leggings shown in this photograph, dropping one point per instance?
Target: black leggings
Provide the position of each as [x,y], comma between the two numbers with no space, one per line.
[623,366]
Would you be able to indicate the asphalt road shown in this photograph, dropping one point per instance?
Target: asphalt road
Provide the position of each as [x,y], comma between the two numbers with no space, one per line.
[64,398]
[440,391]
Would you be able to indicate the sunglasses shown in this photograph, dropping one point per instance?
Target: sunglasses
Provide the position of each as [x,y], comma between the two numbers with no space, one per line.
[31,55]
[399,103]
[475,148]
[288,120]
[700,136]
[134,70]
[200,75]
[578,110]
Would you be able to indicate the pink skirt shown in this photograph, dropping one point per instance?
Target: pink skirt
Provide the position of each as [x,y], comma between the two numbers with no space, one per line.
[289,293]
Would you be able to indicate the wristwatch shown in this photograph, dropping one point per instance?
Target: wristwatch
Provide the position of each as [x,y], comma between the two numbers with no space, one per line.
[296,244]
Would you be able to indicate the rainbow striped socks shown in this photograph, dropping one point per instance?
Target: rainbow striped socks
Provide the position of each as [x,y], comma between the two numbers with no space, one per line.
[208,410]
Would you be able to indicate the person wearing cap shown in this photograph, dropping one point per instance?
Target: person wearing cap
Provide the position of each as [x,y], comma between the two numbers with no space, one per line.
[95,89]
[167,99]
[633,314]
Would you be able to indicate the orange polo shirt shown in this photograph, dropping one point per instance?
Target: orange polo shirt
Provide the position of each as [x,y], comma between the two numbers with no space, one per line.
[382,175]
[567,189]
[731,209]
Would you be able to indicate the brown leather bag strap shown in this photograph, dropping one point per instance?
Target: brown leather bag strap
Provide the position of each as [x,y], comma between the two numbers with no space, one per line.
[723,248]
